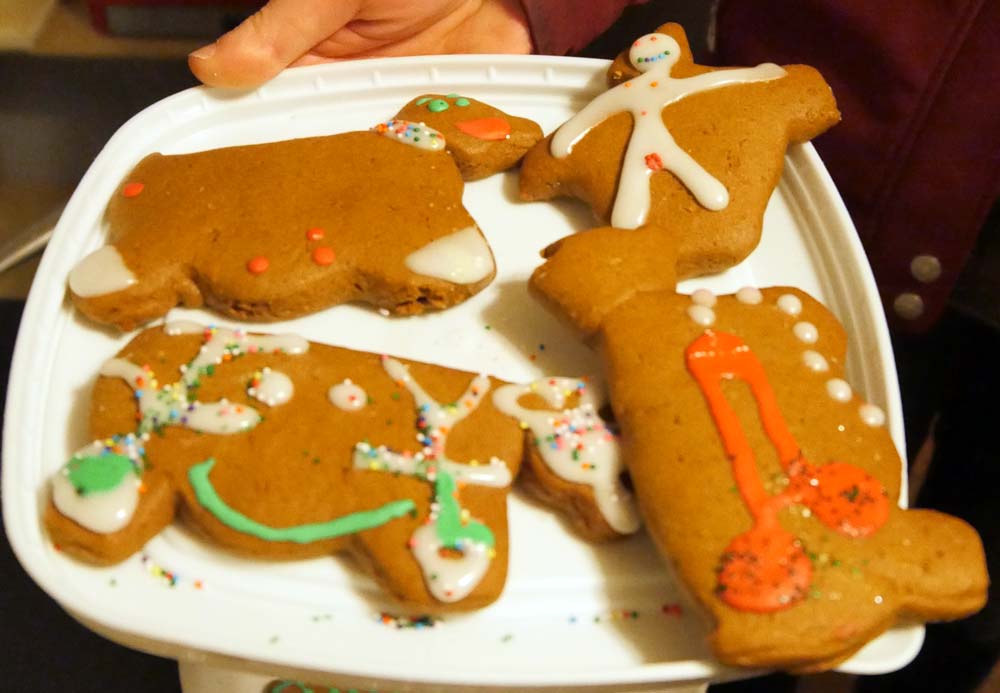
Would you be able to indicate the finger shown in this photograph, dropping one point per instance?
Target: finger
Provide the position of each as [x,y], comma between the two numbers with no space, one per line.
[270,40]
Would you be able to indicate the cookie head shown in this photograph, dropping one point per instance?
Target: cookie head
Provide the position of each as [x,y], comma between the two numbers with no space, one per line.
[654,50]
[482,138]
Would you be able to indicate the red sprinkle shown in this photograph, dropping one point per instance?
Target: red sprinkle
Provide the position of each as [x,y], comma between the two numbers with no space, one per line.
[323,255]
[654,162]
[258,265]
[315,234]
[132,189]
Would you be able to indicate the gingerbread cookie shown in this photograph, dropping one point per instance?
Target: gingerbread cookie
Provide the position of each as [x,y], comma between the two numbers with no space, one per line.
[278,230]
[770,483]
[574,461]
[275,447]
[481,138]
[682,148]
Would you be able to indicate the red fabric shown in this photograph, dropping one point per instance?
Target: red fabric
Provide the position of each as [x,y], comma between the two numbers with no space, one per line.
[917,156]
[560,27]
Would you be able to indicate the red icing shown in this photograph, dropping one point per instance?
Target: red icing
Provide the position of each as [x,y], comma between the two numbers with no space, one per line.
[258,265]
[485,128]
[765,569]
[315,234]
[323,255]
[132,189]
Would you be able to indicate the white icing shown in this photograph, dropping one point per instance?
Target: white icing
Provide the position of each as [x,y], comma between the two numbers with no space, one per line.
[347,396]
[103,512]
[645,97]
[102,272]
[462,257]
[790,304]
[575,443]
[815,361]
[701,315]
[448,579]
[171,405]
[838,390]
[872,415]
[272,388]
[806,332]
[703,297]
[749,295]
[414,134]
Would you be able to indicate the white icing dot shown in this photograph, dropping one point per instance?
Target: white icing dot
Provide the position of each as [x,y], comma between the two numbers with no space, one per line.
[347,396]
[838,389]
[872,415]
[749,295]
[806,332]
[815,361]
[701,315]
[703,297]
[790,303]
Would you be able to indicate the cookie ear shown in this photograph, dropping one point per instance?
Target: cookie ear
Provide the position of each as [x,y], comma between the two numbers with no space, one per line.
[482,139]
[586,275]
[109,288]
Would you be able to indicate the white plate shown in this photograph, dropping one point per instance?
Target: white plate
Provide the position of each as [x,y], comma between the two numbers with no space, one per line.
[562,618]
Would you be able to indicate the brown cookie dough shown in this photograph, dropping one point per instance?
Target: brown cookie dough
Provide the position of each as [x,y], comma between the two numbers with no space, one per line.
[482,139]
[770,483]
[274,447]
[680,148]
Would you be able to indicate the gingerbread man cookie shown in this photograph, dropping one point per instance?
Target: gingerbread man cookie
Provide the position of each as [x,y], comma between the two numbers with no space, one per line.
[682,148]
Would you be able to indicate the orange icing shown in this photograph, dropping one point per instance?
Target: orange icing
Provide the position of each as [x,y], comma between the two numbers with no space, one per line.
[765,569]
[485,128]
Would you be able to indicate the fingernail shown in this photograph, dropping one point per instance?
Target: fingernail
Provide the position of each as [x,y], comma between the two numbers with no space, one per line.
[204,52]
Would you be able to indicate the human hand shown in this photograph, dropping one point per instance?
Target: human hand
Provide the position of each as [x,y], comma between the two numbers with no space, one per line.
[304,32]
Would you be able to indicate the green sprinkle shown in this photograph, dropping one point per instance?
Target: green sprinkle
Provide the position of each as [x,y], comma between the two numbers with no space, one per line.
[452,95]
[422,101]
[437,105]
[315,460]
[462,102]
[395,395]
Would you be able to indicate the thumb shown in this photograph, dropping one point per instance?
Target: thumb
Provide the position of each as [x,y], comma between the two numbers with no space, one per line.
[269,40]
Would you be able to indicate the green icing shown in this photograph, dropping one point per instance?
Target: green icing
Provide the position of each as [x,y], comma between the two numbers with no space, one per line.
[96,473]
[299,534]
[462,101]
[422,101]
[437,105]
[449,525]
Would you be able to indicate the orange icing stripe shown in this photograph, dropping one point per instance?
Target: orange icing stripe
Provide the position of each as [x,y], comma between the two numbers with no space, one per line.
[485,128]
[765,569]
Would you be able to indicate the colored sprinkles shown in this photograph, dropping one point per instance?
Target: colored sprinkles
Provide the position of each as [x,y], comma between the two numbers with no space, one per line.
[406,622]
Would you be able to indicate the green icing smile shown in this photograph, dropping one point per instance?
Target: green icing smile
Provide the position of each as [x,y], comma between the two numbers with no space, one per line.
[299,534]
[96,473]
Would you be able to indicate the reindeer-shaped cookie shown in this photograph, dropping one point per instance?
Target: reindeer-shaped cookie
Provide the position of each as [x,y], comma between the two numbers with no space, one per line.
[766,479]
[277,230]
[684,149]
[276,447]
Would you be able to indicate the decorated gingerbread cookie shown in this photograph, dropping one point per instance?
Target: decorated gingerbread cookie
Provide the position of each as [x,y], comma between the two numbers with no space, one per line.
[682,148]
[574,460]
[481,138]
[770,483]
[276,447]
[277,230]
